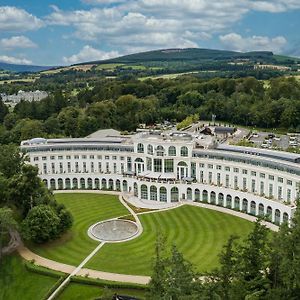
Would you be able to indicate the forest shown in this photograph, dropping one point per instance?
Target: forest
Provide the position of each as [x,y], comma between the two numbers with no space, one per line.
[123,104]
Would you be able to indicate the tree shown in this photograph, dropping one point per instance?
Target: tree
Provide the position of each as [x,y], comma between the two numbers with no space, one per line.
[41,224]
[7,222]
[3,110]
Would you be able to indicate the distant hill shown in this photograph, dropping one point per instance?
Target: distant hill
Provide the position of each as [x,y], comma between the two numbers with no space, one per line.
[22,68]
[191,54]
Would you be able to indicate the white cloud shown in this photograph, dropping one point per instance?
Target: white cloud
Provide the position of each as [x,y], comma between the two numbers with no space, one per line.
[17,42]
[14,60]
[234,41]
[101,2]
[16,19]
[88,53]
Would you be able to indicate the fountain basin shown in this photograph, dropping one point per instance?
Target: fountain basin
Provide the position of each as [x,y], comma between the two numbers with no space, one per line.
[113,230]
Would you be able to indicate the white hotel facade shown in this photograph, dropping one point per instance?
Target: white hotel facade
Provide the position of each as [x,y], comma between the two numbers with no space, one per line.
[172,167]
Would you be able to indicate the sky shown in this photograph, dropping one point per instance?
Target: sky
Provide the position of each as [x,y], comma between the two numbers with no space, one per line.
[52,32]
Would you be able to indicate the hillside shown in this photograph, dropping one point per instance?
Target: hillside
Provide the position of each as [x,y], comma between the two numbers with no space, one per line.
[196,54]
[22,68]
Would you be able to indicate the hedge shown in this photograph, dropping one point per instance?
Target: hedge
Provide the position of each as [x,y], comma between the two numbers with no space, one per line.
[31,267]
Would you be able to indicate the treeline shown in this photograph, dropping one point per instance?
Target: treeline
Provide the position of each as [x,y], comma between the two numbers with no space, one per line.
[39,216]
[265,266]
[123,104]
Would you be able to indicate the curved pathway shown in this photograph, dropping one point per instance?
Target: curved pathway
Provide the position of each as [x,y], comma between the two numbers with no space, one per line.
[72,270]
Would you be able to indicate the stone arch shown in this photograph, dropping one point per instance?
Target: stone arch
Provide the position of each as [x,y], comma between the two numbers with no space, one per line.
[97,183]
[163,194]
[197,195]
[52,184]
[75,183]
[204,195]
[82,183]
[125,186]
[68,183]
[212,197]
[104,184]
[221,199]
[253,208]
[277,216]
[237,203]
[153,192]
[189,194]
[110,184]
[144,192]
[174,194]
[118,185]
[245,205]
[229,201]
[269,213]
[285,217]
[261,209]
[45,181]
[60,184]
[90,183]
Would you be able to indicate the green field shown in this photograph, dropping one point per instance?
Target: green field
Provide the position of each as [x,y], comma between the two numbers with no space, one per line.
[18,283]
[199,234]
[87,209]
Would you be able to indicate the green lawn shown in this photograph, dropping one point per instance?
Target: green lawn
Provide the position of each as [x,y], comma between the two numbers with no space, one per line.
[199,234]
[76,291]
[18,283]
[87,209]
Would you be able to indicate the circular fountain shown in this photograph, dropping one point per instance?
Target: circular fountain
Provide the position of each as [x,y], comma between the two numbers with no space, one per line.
[115,230]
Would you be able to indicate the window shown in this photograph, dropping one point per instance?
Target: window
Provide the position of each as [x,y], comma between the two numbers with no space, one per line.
[201,176]
[279,192]
[235,170]
[99,167]
[68,157]
[160,151]
[289,182]
[83,156]
[184,151]
[288,194]
[92,167]
[280,179]
[244,183]
[245,171]
[52,157]
[253,186]
[169,165]
[115,168]
[92,157]
[45,168]
[227,180]
[76,156]
[210,166]
[262,175]
[69,167]
[262,188]
[150,149]
[219,167]
[122,157]
[157,165]
[270,190]
[106,157]
[253,173]
[107,167]
[271,177]
[210,177]
[114,157]
[149,164]
[218,178]
[235,182]
[140,148]
[76,167]
[61,170]
[201,165]
[227,168]
[172,151]
[53,167]
[193,170]
[99,156]
[60,157]
[84,167]
[44,158]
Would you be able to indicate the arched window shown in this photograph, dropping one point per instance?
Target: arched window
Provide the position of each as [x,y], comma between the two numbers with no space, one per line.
[269,213]
[277,216]
[68,183]
[110,184]
[245,205]
[221,199]
[125,186]
[60,184]
[153,193]
[228,201]
[261,209]
[103,184]
[135,190]
[90,183]
[82,183]
[140,148]
[184,151]
[45,181]
[253,208]
[163,194]
[144,192]
[52,184]
[97,183]
[189,194]
[75,183]
[197,195]
[204,196]
[150,149]
[237,204]
[212,197]
[172,151]
[285,217]
[118,185]
[174,194]
[160,150]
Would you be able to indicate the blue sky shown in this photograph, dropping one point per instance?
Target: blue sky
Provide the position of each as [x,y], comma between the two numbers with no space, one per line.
[45,32]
